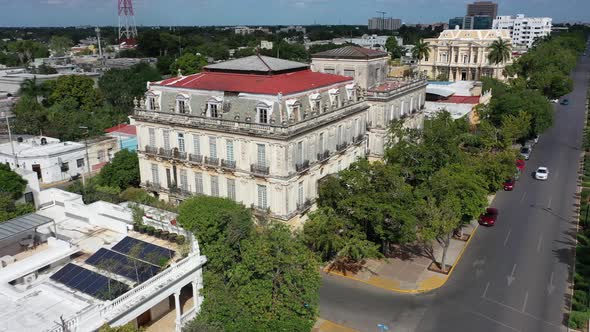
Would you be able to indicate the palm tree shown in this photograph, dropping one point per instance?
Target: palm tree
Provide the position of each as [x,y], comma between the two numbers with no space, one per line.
[31,88]
[421,50]
[499,51]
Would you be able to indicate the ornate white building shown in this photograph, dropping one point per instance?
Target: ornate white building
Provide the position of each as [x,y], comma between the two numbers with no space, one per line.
[462,55]
[524,30]
[258,130]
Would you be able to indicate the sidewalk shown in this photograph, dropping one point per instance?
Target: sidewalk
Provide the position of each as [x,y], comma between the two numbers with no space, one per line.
[323,325]
[408,272]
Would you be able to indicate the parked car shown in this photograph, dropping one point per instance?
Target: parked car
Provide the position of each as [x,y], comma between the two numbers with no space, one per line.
[525,152]
[489,217]
[509,184]
[542,173]
[565,102]
[530,143]
[555,101]
[536,139]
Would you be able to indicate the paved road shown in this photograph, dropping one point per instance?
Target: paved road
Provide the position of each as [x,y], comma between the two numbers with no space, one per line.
[514,276]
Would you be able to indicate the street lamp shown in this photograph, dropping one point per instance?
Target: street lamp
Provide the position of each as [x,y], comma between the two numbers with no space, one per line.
[87,159]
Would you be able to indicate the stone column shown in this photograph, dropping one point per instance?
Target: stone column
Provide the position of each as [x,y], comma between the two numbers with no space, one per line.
[195,295]
[177,307]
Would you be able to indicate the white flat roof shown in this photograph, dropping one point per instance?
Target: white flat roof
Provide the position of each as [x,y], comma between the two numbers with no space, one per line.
[30,150]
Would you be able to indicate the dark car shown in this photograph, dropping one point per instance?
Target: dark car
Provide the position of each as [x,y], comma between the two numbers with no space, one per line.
[565,102]
[489,217]
[509,184]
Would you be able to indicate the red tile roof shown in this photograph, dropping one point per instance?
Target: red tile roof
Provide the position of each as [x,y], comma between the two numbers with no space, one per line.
[123,129]
[288,83]
[462,100]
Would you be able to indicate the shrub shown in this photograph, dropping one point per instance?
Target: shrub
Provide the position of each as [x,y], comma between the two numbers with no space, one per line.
[164,235]
[172,237]
[180,239]
[150,230]
[578,319]
[157,233]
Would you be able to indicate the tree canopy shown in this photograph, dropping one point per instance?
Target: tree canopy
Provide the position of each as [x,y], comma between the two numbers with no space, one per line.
[188,64]
[11,184]
[122,172]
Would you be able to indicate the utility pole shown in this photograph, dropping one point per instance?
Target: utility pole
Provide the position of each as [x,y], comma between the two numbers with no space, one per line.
[11,142]
[97,29]
[87,158]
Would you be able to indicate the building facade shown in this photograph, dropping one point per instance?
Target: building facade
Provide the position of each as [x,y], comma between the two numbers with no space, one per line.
[384,24]
[388,99]
[487,8]
[462,55]
[524,30]
[257,130]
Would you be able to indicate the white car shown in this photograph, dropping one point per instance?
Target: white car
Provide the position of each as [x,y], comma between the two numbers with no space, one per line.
[555,101]
[542,173]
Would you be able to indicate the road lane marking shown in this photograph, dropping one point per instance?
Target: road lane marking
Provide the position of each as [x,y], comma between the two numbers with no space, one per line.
[511,277]
[550,288]
[539,243]
[549,204]
[526,298]
[520,312]
[485,291]
[495,321]
[523,196]
[507,236]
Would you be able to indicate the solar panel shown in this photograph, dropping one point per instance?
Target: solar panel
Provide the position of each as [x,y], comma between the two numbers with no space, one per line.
[143,250]
[123,265]
[89,282]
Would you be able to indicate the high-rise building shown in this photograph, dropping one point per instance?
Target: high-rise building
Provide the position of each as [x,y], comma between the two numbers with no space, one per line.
[387,24]
[456,22]
[482,8]
[478,22]
[523,30]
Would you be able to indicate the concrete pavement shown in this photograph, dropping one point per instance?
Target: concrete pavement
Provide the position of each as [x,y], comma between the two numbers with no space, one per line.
[515,275]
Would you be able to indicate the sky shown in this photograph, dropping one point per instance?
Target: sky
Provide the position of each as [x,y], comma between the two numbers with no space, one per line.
[268,12]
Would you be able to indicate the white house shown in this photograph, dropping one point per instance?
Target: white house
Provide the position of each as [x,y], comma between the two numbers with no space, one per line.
[74,267]
[523,30]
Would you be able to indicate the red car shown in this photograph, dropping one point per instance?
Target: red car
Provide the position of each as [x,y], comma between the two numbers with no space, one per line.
[489,217]
[509,184]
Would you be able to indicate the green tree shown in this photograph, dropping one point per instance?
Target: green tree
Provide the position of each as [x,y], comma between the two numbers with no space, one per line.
[499,51]
[188,64]
[120,86]
[130,327]
[494,167]
[31,88]
[439,218]
[393,48]
[421,50]
[326,232]
[522,100]
[10,209]
[515,127]
[60,45]
[197,325]
[75,89]
[11,183]
[30,116]
[122,171]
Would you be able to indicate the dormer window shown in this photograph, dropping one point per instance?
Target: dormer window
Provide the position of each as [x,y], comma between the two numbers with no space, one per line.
[214,107]
[263,112]
[335,97]
[182,105]
[316,102]
[152,102]
[350,92]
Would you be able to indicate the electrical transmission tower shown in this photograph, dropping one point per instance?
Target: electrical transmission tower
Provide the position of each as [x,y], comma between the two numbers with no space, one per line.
[127,27]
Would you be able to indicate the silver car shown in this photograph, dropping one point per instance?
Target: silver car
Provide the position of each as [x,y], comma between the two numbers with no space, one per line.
[525,152]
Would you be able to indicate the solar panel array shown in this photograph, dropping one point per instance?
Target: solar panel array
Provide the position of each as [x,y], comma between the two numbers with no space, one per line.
[114,262]
[89,282]
[143,250]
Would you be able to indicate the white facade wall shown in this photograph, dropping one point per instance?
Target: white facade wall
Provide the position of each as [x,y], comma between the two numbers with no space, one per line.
[524,30]
[366,73]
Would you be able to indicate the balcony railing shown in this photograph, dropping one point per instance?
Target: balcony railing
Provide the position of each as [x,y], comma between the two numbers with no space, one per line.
[302,166]
[153,186]
[165,153]
[229,164]
[304,206]
[195,158]
[323,155]
[181,190]
[151,150]
[387,94]
[179,155]
[358,138]
[342,146]
[258,169]
[211,161]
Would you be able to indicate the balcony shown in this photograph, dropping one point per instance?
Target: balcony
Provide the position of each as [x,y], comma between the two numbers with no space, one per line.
[184,191]
[323,156]
[151,150]
[228,164]
[341,147]
[302,166]
[358,139]
[152,186]
[258,169]
[211,161]
[304,206]
[165,153]
[195,158]
[179,155]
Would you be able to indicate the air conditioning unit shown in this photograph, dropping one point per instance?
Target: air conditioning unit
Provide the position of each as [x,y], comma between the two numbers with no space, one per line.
[29,278]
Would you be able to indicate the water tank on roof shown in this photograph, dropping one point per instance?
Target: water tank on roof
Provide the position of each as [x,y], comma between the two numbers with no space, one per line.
[19,139]
[43,140]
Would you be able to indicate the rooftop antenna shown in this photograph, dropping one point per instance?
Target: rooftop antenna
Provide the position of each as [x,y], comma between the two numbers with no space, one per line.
[97,29]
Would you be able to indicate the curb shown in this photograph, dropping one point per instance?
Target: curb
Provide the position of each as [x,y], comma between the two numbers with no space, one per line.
[411,291]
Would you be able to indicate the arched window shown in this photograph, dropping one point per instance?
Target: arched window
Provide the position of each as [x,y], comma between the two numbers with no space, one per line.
[182,104]
[316,102]
[214,107]
[351,92]
[151,101]
[294,110]
[335,97]
[263,112]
